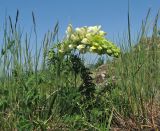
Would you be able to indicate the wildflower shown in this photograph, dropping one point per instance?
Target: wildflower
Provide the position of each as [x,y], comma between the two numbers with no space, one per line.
[85,41]
[116,50]
[95,44]
[102,33]
[80,47]
[81,31]
[109,51]
[116,54]
[78,30]
[92,48]
[74,37]
[93,29]
[99,48]
[88,35]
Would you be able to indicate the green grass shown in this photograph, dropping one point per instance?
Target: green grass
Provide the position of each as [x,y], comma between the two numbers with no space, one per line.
[59,94]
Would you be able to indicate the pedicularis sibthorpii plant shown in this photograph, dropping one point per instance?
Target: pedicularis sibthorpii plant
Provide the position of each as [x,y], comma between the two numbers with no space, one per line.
[81,93]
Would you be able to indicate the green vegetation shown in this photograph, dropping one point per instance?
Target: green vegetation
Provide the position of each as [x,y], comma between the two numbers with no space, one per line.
[52,89]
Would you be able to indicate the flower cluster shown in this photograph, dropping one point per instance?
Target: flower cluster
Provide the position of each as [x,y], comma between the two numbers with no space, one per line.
[88,39]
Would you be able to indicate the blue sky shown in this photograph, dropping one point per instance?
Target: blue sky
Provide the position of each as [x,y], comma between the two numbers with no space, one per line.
[111,14]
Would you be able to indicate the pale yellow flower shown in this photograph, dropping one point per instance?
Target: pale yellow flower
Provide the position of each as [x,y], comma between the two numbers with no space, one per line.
[85,41]
[80,47]
[99,48]
[102,33]
[109,51]
[74,37]
[93,29]
[116,54]
[92,48]
[88,35]
[81,31]
[95,44]
[78,29]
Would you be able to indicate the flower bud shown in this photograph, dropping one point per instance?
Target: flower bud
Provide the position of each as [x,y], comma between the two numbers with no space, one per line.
[116,54]
[109,51]
[69,29]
